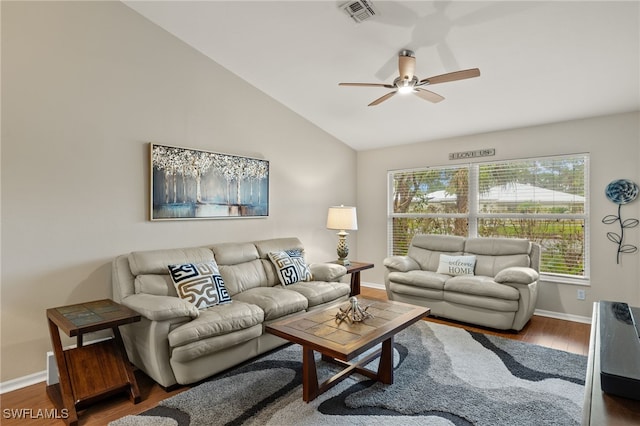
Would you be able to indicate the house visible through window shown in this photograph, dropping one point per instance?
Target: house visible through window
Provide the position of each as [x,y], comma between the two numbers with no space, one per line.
[544,200]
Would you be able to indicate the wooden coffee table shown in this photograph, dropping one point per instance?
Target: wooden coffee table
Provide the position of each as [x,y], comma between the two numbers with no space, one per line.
[339,343]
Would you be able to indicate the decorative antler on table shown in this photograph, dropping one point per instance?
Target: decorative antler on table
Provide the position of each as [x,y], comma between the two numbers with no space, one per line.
[353,312]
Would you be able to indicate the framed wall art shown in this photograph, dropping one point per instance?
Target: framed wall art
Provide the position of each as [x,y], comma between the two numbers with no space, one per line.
[193,184]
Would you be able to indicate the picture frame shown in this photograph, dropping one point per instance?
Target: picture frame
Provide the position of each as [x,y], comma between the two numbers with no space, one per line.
[189,183]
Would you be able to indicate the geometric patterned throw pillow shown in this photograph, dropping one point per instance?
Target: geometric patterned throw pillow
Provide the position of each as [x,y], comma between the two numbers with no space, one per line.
[290,266]
[199,283]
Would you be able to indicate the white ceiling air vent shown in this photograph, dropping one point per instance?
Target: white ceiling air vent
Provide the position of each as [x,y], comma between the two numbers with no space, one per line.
[359,10]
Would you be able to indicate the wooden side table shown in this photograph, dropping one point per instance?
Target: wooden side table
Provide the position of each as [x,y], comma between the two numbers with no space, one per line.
[89,373]
[354,269]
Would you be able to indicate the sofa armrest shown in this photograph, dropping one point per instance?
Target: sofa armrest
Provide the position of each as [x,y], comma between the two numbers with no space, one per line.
[327,271]
[517,275]
[160,308]
[401,264]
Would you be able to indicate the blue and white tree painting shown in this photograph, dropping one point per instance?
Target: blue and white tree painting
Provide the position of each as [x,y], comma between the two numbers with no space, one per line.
[193,184]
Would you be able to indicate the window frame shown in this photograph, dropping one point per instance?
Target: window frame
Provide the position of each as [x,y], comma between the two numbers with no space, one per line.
[474,216]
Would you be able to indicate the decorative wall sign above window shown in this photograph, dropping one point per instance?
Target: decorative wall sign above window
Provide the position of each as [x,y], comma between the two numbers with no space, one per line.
[621,191]
[192,184]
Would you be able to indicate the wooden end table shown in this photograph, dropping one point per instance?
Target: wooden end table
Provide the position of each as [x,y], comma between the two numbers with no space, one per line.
[339,343]
[354,269]
[89,373]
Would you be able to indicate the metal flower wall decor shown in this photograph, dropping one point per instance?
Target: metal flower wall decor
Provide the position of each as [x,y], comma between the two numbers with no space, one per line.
[621,191]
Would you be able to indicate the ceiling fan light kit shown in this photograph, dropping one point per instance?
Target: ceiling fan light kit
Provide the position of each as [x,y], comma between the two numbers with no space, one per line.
[407,82]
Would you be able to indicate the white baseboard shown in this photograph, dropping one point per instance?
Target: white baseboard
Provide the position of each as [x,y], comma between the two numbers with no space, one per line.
[373,285]
[50,375]
[563,316]
[23,382]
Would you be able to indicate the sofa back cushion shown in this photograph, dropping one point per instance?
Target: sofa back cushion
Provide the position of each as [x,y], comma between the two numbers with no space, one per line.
[158,285]
[240,266]
[150,268]
[243,276]
[156,261]
[234,253]
[274,245]
[426,249]
[265,247]
[496,254]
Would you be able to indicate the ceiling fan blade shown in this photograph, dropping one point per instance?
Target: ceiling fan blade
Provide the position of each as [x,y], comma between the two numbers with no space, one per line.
[452,76]
[382,98]
[407,67]
[388,86]
[428,95]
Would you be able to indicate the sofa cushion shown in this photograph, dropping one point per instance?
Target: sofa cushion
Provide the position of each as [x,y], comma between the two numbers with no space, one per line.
[290,266]
[426,249]
[400,263]
[425,279]
[517,274]
[327,271]
[158,285]
[413,291]
[216,321]
[491,265]
[265,247]
[480,286]
[199,283]
[198,348]
[276,302]
[438,242]
[156,261]
[497,246]
[496,254]
[234,253]
[319,292]
[456,265]
[243,276]
[478,303]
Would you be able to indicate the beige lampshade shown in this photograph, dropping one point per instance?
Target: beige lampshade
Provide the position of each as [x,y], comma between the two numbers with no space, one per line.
[342,218]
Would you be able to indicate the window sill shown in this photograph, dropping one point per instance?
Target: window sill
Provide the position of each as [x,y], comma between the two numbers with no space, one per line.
[558,279]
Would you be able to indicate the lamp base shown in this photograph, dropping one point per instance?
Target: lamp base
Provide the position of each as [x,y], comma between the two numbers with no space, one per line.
[343,248]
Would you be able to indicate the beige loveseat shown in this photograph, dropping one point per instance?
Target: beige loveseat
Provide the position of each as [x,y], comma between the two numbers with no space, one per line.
[500,292]
[175,342]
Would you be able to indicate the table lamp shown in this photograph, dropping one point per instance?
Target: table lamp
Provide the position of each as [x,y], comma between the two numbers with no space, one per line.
[342,218]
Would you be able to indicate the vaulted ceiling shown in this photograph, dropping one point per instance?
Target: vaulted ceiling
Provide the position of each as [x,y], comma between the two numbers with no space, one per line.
[540,62]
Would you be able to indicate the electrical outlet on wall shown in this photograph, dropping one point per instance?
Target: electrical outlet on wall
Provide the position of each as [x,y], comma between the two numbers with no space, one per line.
[582,294]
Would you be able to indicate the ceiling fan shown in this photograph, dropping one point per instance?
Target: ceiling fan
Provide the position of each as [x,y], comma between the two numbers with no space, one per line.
[407,82]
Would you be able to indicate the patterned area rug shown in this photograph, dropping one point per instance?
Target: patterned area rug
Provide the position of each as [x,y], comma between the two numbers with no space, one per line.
[443,376]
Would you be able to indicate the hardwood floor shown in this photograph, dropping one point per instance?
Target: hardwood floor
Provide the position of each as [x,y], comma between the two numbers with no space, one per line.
[35,408]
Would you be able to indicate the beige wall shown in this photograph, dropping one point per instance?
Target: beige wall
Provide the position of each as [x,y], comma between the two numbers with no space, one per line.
[85,86]
[614,145]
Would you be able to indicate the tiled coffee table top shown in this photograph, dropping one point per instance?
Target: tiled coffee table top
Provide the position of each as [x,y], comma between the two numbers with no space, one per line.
[344,340]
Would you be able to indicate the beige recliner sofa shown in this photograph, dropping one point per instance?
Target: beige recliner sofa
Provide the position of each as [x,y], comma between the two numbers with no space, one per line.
[177,343]
[501,293]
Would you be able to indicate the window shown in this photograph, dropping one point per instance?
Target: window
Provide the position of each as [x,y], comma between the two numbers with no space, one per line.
[544,200]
